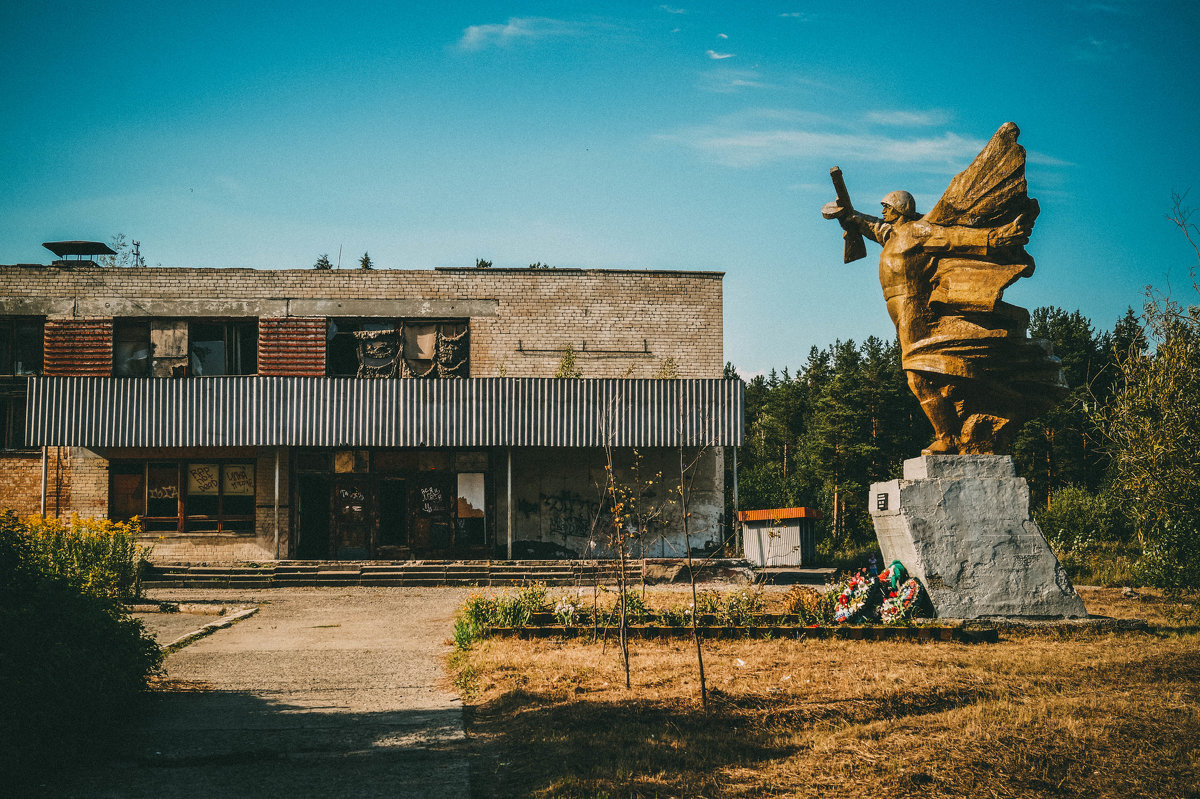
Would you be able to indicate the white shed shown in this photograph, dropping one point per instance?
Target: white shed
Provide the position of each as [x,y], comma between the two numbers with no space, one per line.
[780,536]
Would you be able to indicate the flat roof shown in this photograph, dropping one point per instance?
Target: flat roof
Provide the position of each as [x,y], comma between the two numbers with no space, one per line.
[778,514]
[65,248]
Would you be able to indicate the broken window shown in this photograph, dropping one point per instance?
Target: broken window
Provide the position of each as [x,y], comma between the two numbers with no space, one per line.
[341,343]
[184,497]
[397,348]
[378,353]
[12,416]
[436,349]
[223,348]
[472,531]
[131,348]
[21,345]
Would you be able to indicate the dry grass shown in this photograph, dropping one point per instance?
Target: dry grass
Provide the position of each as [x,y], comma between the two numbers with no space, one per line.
[1080,714]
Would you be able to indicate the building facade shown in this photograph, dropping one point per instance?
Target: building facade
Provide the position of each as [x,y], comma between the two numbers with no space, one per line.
[363,414]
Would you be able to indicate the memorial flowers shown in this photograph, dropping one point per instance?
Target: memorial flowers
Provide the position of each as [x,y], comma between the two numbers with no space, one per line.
[855,602]
[890,598]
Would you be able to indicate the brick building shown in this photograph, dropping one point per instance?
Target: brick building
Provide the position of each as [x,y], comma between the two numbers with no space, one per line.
[250,414]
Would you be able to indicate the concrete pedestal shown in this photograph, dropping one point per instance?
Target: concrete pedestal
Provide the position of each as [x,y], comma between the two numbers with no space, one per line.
[961,525]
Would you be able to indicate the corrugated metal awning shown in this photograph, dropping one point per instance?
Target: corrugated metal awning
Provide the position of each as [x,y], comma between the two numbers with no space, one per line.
[328,412]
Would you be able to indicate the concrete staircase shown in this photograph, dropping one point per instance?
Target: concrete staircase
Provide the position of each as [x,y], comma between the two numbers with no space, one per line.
[298,573]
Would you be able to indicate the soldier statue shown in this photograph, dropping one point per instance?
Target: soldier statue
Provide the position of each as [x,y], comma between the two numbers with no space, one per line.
[969,359]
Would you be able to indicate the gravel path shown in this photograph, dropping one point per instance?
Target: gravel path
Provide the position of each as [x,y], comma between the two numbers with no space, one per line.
[331,692]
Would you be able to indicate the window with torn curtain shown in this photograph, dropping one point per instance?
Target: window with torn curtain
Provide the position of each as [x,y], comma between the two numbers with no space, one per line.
[388,348]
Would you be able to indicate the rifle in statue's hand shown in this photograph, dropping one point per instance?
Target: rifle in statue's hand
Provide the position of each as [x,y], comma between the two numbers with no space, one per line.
[854,247]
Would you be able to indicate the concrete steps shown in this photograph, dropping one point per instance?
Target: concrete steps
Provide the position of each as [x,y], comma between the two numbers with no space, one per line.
[283,574]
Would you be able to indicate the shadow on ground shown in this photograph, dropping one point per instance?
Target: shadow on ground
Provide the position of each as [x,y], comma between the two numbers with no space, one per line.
[675,751]
[194,742]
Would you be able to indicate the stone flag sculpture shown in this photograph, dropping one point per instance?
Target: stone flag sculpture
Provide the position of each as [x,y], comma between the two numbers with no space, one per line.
[967,353]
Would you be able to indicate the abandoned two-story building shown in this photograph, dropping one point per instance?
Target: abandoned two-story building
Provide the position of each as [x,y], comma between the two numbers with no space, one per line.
[246,414]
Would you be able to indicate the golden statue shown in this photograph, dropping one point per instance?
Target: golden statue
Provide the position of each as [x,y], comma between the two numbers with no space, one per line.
[968,355]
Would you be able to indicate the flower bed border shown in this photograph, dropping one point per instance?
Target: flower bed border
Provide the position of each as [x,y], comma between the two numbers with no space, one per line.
[849,632]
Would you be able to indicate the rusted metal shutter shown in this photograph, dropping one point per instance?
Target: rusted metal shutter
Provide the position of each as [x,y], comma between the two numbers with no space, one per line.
[79,347]
[291,346]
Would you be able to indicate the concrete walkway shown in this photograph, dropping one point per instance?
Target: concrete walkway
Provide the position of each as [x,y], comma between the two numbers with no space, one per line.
[330,692]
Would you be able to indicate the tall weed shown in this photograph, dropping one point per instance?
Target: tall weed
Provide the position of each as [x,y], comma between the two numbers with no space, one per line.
[809,605]
[97,556]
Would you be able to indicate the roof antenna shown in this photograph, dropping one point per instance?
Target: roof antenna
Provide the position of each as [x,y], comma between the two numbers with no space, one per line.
[339,266]
[137,254]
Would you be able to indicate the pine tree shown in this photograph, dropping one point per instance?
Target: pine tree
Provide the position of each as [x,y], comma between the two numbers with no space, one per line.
[1060,447]
[365,262]
[323,262]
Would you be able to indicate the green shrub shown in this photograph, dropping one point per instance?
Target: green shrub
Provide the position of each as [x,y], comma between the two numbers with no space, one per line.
[72,661]
[677,616]
[481,611]
[709,603]
[1075,518]
[97,556]
[742,608]
[636,609]
[473,619]
[1092,536]
[516,610]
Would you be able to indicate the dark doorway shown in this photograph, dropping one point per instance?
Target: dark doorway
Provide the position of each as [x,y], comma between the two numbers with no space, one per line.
[312,501]
[393,518]
[353,518]
[433,520]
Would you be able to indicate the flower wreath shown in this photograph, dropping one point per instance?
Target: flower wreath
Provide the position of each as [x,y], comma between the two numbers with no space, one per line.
[855,601]
[890,598]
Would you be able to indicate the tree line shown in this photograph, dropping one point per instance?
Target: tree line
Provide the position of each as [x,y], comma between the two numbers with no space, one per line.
[1113,470]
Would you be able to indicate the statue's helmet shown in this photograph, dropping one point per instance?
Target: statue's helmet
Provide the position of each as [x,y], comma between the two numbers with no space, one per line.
[903,202]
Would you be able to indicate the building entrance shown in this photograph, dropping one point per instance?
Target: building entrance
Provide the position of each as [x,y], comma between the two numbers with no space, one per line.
[368,506]
[352,523]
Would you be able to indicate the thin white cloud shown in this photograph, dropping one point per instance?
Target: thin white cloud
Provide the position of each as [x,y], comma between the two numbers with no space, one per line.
[1041,159]
[671,10]
[738,145]
[722,35]
[766,136]
[724,80]
[714,55]
[800,15]
[479,37]
[908,119]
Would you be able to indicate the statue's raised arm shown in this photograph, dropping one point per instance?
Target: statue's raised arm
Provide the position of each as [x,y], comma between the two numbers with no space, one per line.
[968,357]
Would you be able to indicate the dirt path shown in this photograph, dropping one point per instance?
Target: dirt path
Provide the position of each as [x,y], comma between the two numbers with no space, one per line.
[331,692]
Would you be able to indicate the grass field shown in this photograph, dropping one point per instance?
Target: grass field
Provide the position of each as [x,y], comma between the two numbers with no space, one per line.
[1035,715]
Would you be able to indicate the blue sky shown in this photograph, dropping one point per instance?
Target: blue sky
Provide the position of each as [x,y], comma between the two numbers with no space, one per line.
[625,135]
